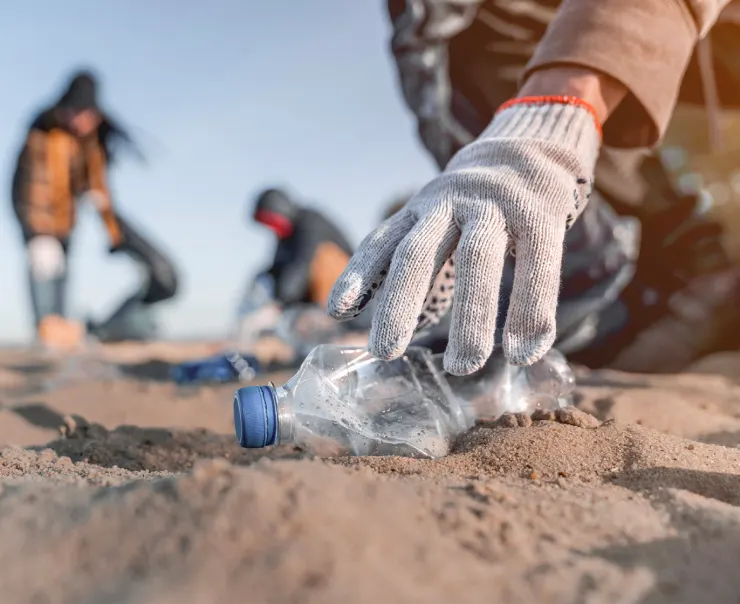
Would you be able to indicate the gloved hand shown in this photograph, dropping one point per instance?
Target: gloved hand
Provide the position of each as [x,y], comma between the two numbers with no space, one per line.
[518,187]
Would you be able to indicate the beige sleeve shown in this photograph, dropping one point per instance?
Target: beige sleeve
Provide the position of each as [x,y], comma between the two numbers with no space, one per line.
[705,13]
[644,44]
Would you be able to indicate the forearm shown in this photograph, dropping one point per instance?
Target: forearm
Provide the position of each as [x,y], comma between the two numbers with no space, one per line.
[643,44]
[102,202]
[601,91]
[112,227]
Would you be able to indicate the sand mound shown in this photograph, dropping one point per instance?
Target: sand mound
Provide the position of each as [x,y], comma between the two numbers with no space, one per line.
[700,407]
[303,531]
[575,447]
[153,449]
[277,533]
[21,466]
[635,502]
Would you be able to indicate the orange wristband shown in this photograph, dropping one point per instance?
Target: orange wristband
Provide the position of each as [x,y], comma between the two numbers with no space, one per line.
[554,100]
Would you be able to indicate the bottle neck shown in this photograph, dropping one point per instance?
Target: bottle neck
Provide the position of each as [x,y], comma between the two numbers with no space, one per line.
[285,418]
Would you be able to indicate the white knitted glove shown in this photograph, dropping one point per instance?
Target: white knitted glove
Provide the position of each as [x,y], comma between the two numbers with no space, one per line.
[519,186]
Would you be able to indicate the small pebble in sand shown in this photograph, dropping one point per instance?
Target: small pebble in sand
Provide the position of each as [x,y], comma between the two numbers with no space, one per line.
[534,475]
[543,415]
[690,447]
[47,455]
[513,420]
[575,417]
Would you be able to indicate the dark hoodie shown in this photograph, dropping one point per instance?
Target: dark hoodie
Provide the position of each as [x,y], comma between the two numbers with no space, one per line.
[55,166]
[311,252]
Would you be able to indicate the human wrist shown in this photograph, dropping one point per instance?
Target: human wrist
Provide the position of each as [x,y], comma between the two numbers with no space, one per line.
[601,92]
[566,119]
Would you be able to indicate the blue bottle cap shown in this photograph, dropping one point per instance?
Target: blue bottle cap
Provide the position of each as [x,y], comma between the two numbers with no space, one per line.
[255,416]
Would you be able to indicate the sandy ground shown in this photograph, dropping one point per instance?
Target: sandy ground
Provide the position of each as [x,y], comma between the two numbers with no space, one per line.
[125,489]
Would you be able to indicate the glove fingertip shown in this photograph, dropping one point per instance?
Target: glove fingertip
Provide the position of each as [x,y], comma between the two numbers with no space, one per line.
[345,304]
[385,342]
[523,351]
[461,365]
[387,351]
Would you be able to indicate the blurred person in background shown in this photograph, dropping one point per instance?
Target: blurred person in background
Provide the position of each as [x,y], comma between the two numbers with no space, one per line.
[311,250]
[65,158]
[288,299]
[510,96]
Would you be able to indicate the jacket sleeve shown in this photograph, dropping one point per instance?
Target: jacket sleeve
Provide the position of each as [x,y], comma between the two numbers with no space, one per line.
[421,32]
[644,44]
[100,193]
[31,189]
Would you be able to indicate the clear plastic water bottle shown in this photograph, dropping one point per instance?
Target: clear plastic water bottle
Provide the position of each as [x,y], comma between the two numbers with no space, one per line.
[343,401]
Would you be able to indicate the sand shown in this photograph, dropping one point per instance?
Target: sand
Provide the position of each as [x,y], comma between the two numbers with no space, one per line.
[125,489]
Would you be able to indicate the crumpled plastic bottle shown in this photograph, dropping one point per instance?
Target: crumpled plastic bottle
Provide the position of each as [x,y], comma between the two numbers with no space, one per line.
[500,387]
[343,401]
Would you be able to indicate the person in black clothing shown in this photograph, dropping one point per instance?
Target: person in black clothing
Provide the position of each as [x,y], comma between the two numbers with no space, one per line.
[311,251]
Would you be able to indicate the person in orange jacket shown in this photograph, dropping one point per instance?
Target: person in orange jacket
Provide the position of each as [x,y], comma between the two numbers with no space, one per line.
[65,156]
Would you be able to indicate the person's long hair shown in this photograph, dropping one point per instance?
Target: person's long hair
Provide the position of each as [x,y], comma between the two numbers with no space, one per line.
[113,137]
[82,93]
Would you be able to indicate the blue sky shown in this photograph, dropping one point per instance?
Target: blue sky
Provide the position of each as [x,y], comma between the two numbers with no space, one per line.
[226,97]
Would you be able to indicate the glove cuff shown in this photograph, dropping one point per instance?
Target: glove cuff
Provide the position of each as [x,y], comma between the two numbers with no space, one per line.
[550,101]
[568,122]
